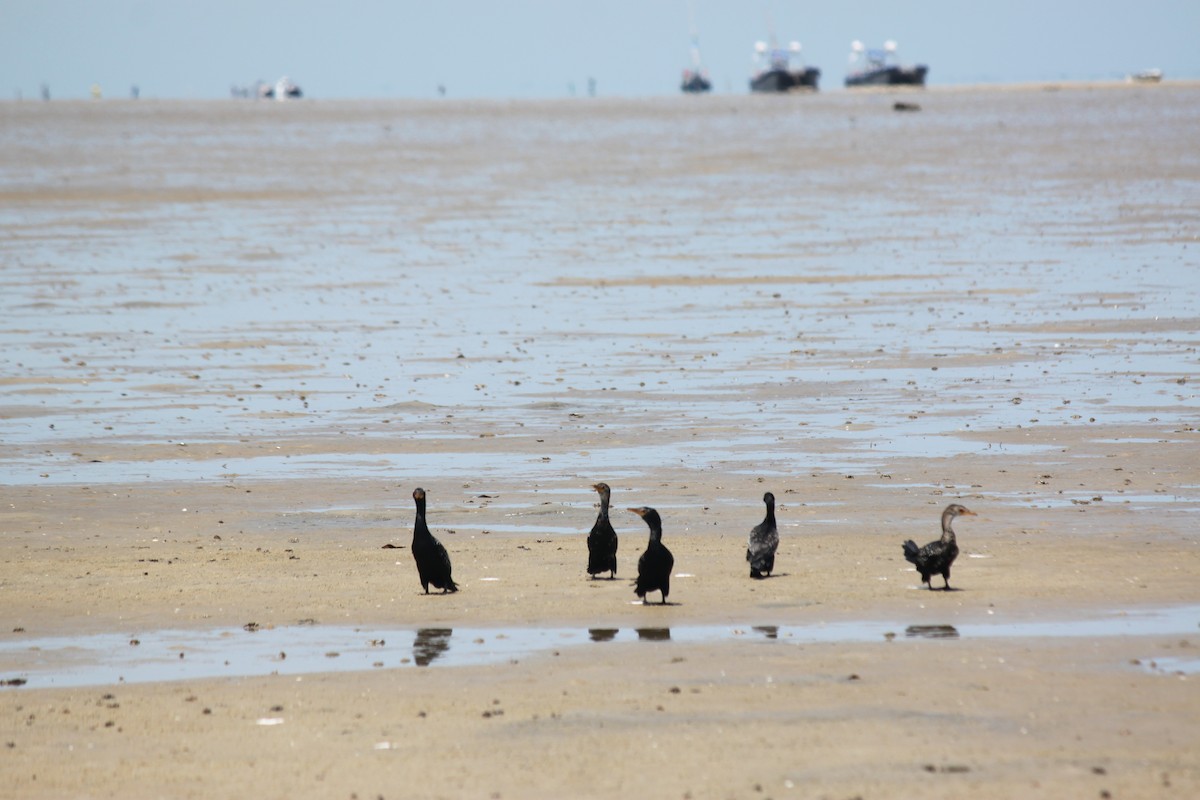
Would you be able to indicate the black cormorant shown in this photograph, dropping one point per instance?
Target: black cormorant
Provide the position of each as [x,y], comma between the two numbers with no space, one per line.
[764,540]
[602,541]
[935,558]
[654,565]
[433,562]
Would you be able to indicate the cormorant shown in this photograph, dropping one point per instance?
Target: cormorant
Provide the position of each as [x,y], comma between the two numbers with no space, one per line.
[764,540]
[602,541]
[433,562]
[654,565]
[936,557]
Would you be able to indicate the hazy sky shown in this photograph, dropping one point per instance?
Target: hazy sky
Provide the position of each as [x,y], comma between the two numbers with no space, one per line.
[541,48]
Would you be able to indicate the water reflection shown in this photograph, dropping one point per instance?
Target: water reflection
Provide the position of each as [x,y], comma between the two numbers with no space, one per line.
[104,659]
[654,634]
[430,644]
[931,632]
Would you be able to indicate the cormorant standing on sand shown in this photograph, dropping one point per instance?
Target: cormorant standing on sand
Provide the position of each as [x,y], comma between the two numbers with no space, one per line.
[433,562]
[602,541]
[764,540]
[936,557]
[654,566]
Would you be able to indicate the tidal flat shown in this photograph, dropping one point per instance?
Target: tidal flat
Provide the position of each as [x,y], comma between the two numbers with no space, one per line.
[237,335]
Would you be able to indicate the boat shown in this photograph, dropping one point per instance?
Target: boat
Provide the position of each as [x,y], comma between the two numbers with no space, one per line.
[1146,76]
[695,78]
[695,82]
[780,70]
[283,89]
[880,68]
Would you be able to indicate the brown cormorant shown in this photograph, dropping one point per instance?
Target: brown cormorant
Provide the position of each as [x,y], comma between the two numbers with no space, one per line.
[433,562]
[764,540]
[602,541]
[935,558]
[654,565]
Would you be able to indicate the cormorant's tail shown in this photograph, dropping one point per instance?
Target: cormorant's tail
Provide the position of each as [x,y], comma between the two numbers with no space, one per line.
[760,563]
[911,551]
[601,562]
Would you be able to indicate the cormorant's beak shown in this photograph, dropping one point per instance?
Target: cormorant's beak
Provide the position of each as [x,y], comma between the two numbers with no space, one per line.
[966,512]
[641,512]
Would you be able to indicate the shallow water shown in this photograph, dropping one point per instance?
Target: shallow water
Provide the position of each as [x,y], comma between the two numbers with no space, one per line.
[149,656]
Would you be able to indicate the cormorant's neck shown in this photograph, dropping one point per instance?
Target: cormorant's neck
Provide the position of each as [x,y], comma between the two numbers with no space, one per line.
[604,505]
[419,526]
[947,531]
[770,520]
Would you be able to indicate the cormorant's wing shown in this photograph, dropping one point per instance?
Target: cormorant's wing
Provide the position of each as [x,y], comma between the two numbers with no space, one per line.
[932,553]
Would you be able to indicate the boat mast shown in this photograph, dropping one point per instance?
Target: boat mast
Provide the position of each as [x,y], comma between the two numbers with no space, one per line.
[696,63]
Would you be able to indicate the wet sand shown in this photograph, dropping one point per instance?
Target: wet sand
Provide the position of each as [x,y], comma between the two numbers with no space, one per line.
[239,335]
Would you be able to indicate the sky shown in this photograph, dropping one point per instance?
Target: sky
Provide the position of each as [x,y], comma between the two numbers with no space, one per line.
[553,48]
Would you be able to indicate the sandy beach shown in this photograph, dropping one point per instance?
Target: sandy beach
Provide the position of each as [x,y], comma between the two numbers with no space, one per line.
[238,335]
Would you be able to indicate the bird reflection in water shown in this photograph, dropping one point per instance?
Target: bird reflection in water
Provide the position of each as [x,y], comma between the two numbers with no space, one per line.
[931,632]
[769,631]
[430,644]
[602,634]
[654,634]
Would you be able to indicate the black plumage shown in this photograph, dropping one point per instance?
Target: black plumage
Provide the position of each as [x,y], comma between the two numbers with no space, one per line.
[433,562]
[764,541]
[654,565]
[602,541]
[935,558]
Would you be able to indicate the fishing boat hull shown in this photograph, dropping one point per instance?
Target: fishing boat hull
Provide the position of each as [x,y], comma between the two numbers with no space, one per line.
[695,83]
[889,76]
[782,80]
[1147,76]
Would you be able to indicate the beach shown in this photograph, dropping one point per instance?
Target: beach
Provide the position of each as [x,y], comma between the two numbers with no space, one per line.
[239,334]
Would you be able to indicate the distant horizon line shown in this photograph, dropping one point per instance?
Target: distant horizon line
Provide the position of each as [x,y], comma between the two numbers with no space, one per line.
[1037,84]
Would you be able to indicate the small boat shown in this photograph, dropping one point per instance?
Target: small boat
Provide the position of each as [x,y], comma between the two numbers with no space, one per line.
[780,70]
[695,81]
[283,89]
[879,68]
[695,78]
[1146,76]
